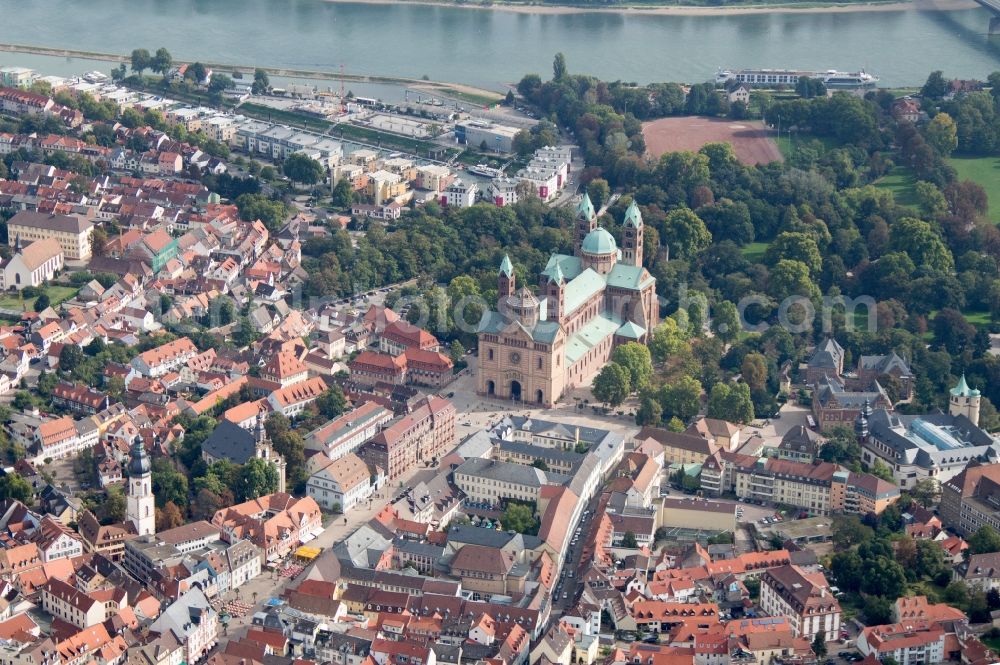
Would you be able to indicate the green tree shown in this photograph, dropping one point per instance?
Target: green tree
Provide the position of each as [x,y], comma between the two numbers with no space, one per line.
[754,370]
[611,385]
[878,612]
[674,425]
[669,340]
[196,72]
[984,541]
[303,169]
[848,530]
[540,464]
[169,484]
[112,510]
[681,399]
[791,278]
[730,402]
[559,70]
[162,61]
[343,194]
[456,351]
[70,357]
[726,321]
[921,243]
[140,60]
[519,518]
[819,645]
[261,82]
[880,469]
[936,86]
[13,486]
[629,542]
[942,134]
[332,402]
[599,192]
[636,360]
[685,234]
[796,246]
[257,478]
[220,83]
[42,302]
[649,413]
[257,206]
[926,492]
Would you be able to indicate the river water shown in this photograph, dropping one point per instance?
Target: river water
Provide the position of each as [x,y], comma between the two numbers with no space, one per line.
[490,48]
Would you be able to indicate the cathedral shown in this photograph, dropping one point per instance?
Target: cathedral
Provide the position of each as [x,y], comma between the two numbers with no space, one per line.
[535,349]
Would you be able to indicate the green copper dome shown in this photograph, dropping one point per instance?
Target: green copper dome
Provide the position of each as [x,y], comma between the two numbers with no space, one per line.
[599,241]
[963,389]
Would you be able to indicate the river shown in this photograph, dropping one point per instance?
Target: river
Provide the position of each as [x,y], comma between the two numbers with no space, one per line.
[491,48]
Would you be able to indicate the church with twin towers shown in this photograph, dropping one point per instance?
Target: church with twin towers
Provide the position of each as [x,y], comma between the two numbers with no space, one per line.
[534,349]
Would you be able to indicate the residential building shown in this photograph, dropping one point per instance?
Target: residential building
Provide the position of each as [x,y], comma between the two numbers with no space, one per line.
[32,266]
[909,643]
[503,191]
[803,598]
[342,484]
[276,523]
[292,400]
[71,232]
[971,499]
[348,432]
[55,540]
[82,610]
[821,488]
[593,301]
[980,571]
[460,194]
[193,621]
[421,437]
[166,358]
[678,447]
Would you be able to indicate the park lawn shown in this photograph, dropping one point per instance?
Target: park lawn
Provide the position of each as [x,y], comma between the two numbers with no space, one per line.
[902,183]
[471,97]
[787,143]
[986,172]
[754,252]
[57,295]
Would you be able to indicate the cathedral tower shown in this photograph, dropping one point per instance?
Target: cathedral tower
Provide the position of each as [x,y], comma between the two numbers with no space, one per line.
[506,282]
[555,296]
[632,236]
[586,221]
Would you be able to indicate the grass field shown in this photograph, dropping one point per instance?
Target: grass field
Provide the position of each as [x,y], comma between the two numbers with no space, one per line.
[57,294]
[986,172]
[754,252]
[902,183]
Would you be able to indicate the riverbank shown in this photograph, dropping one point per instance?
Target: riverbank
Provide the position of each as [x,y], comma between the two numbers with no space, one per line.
[677,10]
[458,91]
